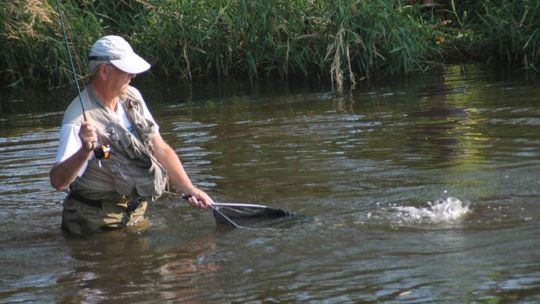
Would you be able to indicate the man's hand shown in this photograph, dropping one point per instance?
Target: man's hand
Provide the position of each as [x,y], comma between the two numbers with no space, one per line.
[65,172]
[198,198]
[88,136]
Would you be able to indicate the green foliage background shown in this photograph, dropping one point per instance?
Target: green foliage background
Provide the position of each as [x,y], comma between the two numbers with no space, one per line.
[345,41]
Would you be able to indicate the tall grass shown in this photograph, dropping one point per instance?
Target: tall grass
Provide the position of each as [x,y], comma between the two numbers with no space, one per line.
[257,39]
[31,41]
[370,37]
[513,32]
[345,41]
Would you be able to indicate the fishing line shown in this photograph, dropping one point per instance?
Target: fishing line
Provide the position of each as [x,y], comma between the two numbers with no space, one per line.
[101,151]
[75,76]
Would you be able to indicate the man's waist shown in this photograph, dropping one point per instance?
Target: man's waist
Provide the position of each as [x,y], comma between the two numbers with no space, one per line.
[85,200]
[99,203]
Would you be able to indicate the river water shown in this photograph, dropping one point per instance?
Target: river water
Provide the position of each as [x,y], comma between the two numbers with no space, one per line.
[416,190]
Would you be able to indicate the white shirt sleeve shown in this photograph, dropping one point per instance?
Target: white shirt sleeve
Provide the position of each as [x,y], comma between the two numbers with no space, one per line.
[69,141]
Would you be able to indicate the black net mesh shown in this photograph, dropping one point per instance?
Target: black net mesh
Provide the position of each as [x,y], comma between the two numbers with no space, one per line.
[245,214]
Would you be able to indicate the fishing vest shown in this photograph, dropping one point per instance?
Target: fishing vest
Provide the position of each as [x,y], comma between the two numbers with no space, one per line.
[131,171]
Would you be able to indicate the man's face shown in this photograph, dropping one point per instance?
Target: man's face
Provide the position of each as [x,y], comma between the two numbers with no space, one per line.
[118,80]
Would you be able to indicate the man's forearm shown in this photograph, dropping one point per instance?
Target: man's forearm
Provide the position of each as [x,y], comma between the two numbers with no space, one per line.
[64,173]
[177,175]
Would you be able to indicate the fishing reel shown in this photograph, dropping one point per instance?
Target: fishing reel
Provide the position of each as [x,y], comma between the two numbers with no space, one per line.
[102,151]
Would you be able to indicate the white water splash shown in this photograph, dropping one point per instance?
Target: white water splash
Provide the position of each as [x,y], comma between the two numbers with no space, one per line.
[449,210]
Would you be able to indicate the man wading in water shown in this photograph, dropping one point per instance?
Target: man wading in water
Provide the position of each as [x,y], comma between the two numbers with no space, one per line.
[113,193]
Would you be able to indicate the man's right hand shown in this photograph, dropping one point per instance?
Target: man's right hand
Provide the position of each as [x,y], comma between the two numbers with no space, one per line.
[88,136]
[65,172]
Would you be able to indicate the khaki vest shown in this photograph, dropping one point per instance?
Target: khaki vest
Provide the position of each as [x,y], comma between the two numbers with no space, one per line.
[131,171]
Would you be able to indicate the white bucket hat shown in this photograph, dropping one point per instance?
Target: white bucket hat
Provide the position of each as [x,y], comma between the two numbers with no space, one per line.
[117,51]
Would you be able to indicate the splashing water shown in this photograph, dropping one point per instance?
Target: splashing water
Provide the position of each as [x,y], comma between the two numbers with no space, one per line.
[449,210]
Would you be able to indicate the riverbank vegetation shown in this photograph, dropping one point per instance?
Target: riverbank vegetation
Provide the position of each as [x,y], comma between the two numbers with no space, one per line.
[344,41]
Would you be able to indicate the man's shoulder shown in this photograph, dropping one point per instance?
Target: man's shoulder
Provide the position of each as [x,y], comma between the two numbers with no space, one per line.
[73,113]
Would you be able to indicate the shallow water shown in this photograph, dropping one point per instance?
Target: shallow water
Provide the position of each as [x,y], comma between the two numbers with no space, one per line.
[413,191]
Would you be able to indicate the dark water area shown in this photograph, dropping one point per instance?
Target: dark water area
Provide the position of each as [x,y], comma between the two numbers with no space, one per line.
[417,190]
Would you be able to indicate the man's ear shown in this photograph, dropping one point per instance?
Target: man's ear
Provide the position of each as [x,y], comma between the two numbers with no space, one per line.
[102,71]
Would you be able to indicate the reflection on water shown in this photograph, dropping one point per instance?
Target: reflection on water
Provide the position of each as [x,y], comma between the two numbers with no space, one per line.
[410,190]
[134,263]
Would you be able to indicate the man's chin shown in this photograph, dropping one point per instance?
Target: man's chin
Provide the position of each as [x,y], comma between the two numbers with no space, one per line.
[124,91]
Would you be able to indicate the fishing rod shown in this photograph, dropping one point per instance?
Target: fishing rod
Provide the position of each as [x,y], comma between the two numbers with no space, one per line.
[100,151]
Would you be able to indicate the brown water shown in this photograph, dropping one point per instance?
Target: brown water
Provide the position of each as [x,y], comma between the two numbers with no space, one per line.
[413,191]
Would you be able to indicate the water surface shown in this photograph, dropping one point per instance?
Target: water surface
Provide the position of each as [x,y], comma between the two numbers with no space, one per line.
[417,191]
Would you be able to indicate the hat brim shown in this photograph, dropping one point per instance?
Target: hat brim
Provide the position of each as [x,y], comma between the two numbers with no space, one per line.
[132,64]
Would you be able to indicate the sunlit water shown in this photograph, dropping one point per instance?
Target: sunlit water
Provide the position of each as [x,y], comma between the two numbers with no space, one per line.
[412,191]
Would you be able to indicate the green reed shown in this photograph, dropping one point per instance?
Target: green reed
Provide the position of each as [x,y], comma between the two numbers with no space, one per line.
[511,32]
[345,41]
[31,41]
[260,39]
